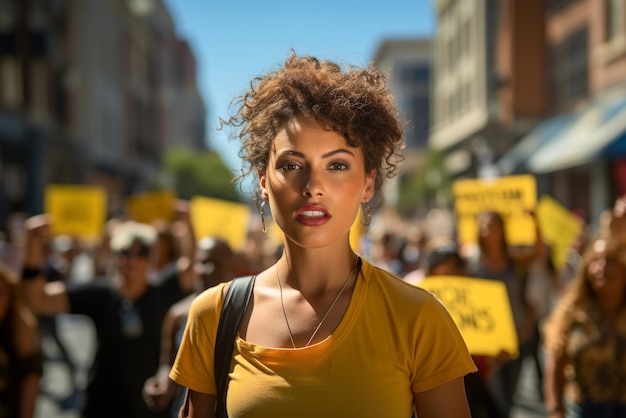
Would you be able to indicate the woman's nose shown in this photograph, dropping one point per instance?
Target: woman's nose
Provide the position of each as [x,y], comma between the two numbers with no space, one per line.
[313,184]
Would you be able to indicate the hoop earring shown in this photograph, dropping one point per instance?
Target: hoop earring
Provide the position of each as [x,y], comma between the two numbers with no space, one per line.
[366,218]
[262,212]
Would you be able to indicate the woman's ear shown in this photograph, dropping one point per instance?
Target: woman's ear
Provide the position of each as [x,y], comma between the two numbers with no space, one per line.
[370,187]
[263,186]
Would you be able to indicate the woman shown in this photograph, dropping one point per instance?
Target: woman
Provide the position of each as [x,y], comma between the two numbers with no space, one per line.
[585,339]
[21,362]
[496,261]
[326,333]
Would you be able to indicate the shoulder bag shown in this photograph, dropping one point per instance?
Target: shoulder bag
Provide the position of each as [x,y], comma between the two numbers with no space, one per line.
[233,309]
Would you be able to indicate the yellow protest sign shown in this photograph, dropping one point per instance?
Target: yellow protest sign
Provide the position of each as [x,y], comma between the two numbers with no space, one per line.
[151,206]
[482,311]
[559,228]
[509,196]
[220,218]
[76,210]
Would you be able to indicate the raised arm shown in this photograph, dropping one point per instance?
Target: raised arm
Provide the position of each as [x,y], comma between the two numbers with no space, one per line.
[617,224]
[184,233]
[44,299]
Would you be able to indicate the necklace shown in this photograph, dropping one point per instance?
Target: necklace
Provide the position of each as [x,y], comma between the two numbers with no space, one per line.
[330,308]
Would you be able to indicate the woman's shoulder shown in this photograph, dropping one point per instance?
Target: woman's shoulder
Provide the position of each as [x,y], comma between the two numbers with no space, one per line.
[211,298]
[392,285]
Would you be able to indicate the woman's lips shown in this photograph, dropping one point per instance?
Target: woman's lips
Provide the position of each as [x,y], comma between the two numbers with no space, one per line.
[312,215]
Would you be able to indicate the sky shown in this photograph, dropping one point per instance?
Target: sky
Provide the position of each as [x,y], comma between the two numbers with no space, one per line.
[234,41]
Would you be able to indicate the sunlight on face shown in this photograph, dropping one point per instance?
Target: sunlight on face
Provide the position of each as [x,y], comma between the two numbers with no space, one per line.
[315,183]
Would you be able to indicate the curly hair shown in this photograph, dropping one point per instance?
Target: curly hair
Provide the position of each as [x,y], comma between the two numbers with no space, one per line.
[579,298]
[354,102]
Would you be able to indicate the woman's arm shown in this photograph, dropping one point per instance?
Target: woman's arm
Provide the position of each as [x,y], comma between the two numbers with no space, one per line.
[198,405]
[44,299]
[186,237]
[158,390]
[553,385]
[28,395]
[444,401]
[29,350]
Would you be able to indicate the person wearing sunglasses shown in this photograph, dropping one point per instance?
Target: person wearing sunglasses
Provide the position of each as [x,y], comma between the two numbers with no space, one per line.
[126,308]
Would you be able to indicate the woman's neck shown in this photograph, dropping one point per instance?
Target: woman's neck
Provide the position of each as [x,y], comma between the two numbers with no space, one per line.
[316,271]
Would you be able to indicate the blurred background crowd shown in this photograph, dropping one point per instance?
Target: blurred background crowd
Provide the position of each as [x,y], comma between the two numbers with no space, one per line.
[508,104]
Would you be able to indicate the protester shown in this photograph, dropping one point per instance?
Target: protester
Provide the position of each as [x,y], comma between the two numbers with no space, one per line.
[21,362]
[58,266]
[215,263]
[497,261]
[327,333]
[126,309]
[444,258]
[585,339]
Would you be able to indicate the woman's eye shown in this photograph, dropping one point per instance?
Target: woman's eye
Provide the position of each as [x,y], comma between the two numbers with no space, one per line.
[288,165]
[339,166]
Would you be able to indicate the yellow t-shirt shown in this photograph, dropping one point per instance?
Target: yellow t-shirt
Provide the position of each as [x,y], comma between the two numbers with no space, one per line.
[395,339]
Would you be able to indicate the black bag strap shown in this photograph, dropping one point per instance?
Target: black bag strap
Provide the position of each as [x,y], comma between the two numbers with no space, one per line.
[235,304]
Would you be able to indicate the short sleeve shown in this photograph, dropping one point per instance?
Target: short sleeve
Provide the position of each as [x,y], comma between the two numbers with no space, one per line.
[193,366]
[441,354]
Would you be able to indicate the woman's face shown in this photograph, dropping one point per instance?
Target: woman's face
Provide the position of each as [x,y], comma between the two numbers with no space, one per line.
[606,275]
[315,183]
[134,262]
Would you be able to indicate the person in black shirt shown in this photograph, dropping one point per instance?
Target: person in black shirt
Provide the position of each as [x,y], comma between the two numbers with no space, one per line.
[127,310]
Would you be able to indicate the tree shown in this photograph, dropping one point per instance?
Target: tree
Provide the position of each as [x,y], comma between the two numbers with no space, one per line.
[425,188]
[197,173]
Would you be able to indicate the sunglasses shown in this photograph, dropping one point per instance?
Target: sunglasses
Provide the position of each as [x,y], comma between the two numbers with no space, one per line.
[142,253]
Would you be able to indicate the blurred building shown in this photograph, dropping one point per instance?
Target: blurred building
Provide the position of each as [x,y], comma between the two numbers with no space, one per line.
[91,92]
[534,87]
[485,94]
[407,63]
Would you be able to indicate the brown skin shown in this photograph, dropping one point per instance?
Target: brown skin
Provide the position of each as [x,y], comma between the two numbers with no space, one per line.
[25,337]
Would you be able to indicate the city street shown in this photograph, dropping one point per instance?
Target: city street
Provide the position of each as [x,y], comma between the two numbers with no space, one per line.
[79,335]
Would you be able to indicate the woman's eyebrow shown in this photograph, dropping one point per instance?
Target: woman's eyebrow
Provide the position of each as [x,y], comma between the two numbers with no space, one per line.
[325,155]
[337,151]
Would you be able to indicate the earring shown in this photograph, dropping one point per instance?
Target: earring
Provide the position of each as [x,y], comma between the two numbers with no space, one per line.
[367,215]
[262,212]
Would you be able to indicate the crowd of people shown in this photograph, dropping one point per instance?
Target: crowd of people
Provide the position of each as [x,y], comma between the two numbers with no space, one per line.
[329,330]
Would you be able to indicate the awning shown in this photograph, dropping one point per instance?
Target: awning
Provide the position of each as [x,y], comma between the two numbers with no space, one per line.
[516,158]
[598,133]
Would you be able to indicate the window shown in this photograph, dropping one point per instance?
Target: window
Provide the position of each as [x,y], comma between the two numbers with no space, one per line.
[570,62]
[615,13]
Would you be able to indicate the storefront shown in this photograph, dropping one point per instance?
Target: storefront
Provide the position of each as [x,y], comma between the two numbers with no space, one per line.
[563,150]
